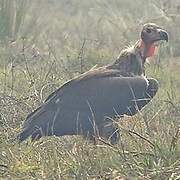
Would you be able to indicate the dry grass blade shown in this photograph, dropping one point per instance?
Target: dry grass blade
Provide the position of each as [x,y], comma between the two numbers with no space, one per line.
[175,139]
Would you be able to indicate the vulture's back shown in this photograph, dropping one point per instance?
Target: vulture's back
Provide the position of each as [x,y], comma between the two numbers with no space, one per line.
[90,97]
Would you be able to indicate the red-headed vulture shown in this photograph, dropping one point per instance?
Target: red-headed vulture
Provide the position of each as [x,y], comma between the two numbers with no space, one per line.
[87,105]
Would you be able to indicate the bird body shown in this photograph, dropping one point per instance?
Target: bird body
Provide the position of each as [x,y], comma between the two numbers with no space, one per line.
[87,104]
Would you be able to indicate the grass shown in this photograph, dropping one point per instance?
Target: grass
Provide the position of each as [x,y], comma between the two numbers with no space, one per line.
[46,52]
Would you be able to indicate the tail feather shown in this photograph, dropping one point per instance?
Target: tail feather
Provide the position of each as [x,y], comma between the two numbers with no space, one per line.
[24,134]
[36,125]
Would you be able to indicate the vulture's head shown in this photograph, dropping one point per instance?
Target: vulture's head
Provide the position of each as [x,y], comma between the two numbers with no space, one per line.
[150,34]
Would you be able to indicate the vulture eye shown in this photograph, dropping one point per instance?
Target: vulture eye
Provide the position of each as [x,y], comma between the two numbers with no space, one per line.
[148,30]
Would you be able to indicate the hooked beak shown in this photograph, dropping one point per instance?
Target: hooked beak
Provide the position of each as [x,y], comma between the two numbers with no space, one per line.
[163,35]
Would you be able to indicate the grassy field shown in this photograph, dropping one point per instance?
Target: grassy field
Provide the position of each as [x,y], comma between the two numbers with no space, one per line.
[43,44]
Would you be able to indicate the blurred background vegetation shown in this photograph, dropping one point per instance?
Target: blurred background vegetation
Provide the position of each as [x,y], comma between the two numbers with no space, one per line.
[47,42]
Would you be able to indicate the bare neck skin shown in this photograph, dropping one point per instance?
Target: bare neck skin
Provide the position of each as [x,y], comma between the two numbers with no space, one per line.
[146,49]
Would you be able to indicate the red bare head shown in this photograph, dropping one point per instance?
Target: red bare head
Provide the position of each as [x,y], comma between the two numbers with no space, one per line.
[150,34]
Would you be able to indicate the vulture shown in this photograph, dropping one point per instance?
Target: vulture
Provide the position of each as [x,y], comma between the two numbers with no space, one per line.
[89,104]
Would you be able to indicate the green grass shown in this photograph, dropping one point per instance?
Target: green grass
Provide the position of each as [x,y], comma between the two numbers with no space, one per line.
[74,37]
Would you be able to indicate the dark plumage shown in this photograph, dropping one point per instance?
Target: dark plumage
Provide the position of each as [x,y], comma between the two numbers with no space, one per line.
[87,104]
